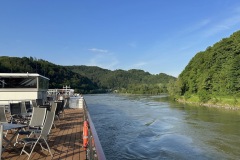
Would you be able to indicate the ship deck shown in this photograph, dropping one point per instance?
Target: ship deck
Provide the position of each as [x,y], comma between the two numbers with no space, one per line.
[65,140]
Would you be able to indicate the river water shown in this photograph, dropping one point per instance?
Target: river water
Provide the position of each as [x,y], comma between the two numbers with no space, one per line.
[139,127]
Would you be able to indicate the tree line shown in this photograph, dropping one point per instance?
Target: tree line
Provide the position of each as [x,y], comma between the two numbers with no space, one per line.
[89,79]
[133,81]
[214,72]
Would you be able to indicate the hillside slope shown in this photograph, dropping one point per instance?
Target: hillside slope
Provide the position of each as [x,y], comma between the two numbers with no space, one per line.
[88,79]
[59,75]
[214,72]
[131,81]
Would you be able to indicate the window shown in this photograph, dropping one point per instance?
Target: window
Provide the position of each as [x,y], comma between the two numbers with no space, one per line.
[28,82]
[43,83]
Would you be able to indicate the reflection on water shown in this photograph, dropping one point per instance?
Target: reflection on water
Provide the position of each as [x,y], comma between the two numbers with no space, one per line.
[144,127]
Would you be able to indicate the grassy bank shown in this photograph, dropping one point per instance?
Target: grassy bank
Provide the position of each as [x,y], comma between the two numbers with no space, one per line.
[216,101]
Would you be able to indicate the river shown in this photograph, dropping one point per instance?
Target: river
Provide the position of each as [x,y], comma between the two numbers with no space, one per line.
[137,127]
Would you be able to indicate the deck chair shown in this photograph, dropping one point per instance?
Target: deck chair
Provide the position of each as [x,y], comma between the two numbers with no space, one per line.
[34,103]
[58,109]
[23,107]
[28,106]
[39,102]
[25,118]
[3,117]
[15,113]
[1,139]
[53,109]
[36,122]
[41,138]
[63,107]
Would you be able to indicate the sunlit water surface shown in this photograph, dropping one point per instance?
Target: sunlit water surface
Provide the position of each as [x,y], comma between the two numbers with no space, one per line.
[149,127]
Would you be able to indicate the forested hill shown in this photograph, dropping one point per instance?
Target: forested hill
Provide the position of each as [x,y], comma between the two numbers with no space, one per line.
[59,75]
[214,72]
[88,79]
[131,81]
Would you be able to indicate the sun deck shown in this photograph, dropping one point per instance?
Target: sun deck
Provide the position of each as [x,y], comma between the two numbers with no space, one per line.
[65,141]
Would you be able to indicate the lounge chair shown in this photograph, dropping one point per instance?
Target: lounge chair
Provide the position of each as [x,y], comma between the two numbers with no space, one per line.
[53,109]
[34,103]
[41,138]
[15,113]
[3,117]
[36,122]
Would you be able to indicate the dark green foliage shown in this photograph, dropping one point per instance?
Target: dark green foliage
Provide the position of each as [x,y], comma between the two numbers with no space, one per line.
[132,81]
[204,96]
[59,76]
[216,71]
[88,79]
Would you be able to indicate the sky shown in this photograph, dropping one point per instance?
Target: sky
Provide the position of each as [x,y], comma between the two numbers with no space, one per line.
[157,36]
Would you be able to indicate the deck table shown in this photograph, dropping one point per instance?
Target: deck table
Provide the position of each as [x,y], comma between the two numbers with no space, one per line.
[10,126]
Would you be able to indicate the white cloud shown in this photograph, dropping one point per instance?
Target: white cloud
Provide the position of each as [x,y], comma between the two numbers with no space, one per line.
[222,26]
[96,50]
[139,64]
[232,20]
[201,24]
[106,61]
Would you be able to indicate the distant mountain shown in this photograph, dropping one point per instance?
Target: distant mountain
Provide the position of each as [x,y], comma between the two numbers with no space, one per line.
[216,71]
[88,79]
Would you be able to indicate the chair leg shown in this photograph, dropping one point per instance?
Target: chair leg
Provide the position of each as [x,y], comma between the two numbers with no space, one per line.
[63,113]
[32,148]
[58,117]
[48,148]
[23,149]
[54,125]
[16,140]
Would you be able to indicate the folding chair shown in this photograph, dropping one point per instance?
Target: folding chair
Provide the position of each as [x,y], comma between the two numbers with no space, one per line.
[58,109]
[64,106]
[53,109]
[3,117]
[34,103]
[36,122]
[23,107]
[15,112]
[42,137]
[28,106]
[39,102]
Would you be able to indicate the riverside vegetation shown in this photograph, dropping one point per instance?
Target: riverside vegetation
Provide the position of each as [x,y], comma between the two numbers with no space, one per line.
[211,78]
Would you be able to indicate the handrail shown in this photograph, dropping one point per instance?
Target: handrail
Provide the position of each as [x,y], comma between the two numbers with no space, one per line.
[94,149]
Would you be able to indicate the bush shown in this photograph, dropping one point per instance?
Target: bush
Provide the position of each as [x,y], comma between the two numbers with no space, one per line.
[187,95]
[204,96]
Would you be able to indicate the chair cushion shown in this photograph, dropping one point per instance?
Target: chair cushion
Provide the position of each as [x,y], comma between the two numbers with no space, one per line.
[29,140]
[24,132]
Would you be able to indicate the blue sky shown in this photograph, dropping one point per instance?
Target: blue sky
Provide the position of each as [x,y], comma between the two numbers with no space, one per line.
[157,36]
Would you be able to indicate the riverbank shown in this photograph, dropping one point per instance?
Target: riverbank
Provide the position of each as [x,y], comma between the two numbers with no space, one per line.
[220,102]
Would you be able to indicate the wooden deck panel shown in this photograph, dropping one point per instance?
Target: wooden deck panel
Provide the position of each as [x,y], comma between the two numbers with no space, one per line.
[65,141]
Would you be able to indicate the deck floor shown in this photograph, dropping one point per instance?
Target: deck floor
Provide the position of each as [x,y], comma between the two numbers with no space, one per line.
[65,141]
